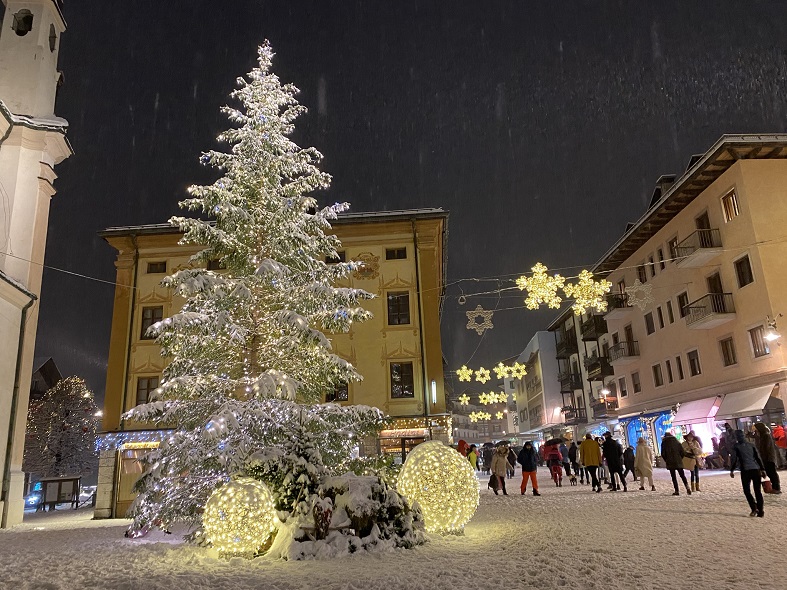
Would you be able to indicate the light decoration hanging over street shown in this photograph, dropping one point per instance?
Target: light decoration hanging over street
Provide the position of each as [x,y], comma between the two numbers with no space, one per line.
[465,374]
[464,399]
[476,416]
[588,293]
[541,288]
[502,371]
[239,517]
[499,415]
[482,375]
[518,370]
[474,324]
[639,295]
[483,398]
[444,485]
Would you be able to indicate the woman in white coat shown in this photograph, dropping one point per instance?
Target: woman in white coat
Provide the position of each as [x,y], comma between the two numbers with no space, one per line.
[643,463]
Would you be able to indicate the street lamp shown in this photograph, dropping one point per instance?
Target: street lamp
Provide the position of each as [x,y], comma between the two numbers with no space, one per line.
[771,334]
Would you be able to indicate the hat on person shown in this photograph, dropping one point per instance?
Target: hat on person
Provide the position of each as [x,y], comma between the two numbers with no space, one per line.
[607,433]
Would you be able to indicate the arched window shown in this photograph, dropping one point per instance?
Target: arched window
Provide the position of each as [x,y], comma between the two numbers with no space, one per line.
[23,22]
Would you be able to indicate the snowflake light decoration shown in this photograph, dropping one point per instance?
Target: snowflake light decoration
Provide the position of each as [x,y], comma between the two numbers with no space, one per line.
[502,371]
[473,416]
[464,399]
[482,375]
[474,324]
[587,293]
[541,288]
[639,295]
[483,398]
[499,415]
[464,373]
[518,370]
[502,397]
[480,416]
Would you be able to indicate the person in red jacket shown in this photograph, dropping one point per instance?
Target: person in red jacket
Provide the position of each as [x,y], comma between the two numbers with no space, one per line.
[554,460]
[780,438]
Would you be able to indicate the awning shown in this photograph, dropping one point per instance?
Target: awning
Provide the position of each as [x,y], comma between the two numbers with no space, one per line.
[751,402]
[697,411]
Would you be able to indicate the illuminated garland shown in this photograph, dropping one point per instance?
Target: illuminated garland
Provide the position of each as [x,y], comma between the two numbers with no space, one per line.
[476,416]
[482,375]
[543,289]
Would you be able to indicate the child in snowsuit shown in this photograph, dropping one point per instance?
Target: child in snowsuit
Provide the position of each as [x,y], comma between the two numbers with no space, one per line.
[554,461]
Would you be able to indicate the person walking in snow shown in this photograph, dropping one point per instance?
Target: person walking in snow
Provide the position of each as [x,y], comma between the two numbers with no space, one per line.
[780,440]
[573,457]
[590,457]
[500,466]
[487,454]
[566,460]
[643,462]
[692,454]
[613,453]
[602,471]
[472,456]
[512,462]
[528,458]
[554,461]
[767,450]
[745,455]
[629,463]
[672,453]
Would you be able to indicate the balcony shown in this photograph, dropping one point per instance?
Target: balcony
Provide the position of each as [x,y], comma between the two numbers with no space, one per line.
[573,416]
[569,381]
[566,344]
[710,311]
[699,248]
[604,408]
[593,328]
[598,367]
[624,353]
[617,306]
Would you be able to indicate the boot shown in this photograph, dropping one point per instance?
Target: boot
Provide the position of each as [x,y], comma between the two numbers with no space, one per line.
[693,487]
[535,493]
[697,486]
[652,488]
[642,487]
[688,491]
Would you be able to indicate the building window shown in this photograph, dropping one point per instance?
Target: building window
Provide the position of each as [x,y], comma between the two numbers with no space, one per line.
[669,371]
[216,264]
[728,352]
[23,22]
[651,266]
[402,385]
[660,256]
[340,393]
[150,315]
[683,304]
[146,386]
[743,271]
[672,246]
[641,274]
[52,38]
[694,363]
[679,366]
[395,253]
[398,308]
[670,314]
[622,386]
[635,382]
[157,268]
[660,315]
[759,345]
[729,204]
[658,378]
[622,286]
[650,327]
[340,257]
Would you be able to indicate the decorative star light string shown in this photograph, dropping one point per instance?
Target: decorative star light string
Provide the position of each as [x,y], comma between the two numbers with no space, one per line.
[464,399]
[588,293]
[474,324]
[541,288]
[639,295]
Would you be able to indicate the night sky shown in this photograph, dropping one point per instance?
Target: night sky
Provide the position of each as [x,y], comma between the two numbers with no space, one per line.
[541,127]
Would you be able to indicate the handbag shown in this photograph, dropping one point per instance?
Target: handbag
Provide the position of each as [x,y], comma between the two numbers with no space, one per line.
[493,482]
[767,487]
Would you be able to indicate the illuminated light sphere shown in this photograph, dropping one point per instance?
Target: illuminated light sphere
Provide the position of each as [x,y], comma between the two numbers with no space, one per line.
[239,517]
[444,485]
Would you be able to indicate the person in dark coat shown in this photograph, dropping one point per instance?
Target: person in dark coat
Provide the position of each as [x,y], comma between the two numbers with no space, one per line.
[628,462]
[512,462]
[672,453]
[487,455]
[613,453]
[573,457]
[528,459]
[745,455]
[767,450]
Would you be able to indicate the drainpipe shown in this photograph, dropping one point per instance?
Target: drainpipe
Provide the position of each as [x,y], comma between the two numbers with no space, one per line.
[427,422]
[14,409]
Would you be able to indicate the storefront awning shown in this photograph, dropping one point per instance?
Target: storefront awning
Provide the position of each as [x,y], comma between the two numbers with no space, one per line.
[751,402]
[697,411]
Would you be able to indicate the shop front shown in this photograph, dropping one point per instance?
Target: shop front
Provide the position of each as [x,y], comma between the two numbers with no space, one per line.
[651,426]
[699,416]
[406,433]
[743,409]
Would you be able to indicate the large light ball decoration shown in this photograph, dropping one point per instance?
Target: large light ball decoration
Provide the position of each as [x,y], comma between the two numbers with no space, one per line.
[444,485]
[239,517]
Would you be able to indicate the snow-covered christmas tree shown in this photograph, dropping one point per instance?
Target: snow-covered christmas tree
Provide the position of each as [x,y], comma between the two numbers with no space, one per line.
[249,359]
[61,431]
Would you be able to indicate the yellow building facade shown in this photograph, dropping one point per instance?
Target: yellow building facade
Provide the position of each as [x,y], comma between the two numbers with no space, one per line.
[398,351]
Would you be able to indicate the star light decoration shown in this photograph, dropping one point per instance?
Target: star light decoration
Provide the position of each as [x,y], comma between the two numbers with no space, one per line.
[476,416]
[444,485]
[502,371]
[639,295]
[474,324]
[464,399]
[541,288]
[483,398]
[499,415]
[239,517]
[518,370]
[588,293]
[482,375]
[464,373]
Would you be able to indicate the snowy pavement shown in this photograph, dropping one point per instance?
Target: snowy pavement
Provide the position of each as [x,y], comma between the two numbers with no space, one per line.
[569,537]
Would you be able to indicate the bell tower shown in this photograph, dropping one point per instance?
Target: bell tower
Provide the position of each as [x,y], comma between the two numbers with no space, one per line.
[32,142]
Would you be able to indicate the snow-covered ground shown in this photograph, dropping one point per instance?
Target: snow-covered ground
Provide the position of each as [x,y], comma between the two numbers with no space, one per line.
[569,537]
